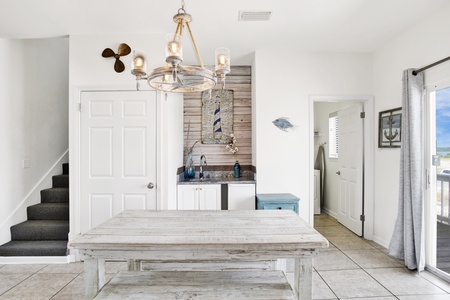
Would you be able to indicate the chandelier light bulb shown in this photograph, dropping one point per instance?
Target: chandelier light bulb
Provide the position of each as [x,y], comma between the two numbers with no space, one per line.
[222,60]
[166,78]
[139,62]
[174,49]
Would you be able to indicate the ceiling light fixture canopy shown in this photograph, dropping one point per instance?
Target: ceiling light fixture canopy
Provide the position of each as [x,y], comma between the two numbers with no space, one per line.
[174,77]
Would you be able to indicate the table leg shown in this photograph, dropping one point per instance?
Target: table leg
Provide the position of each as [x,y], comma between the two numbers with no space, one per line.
[303,277]
[94,276]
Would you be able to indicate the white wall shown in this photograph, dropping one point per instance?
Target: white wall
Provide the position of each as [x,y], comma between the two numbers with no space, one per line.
[421,45]
[90,71]
[322,112]
[33,120]
[284,81]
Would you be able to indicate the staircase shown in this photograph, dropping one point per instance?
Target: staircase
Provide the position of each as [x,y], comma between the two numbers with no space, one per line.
[45,233]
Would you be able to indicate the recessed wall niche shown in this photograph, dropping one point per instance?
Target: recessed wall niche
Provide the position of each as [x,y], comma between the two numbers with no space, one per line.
[239,81]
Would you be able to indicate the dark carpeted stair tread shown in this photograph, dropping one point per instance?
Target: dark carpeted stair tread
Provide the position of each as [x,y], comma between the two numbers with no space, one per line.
[46,231]
[48,211]
[34,248]
[60,181]
[55,195]
[40,230]
[65,168]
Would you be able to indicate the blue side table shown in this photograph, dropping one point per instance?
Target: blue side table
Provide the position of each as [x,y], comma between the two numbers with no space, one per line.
[277,201]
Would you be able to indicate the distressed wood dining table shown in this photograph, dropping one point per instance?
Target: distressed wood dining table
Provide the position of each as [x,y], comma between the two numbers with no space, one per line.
[194,236]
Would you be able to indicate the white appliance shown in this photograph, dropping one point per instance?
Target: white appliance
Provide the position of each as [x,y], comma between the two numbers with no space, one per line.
[316,192]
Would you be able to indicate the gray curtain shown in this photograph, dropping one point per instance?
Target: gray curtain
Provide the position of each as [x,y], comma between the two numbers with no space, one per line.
[407,240]
[320,165]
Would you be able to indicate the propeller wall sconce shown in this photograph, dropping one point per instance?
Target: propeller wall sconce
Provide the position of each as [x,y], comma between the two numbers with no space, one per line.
[123,50]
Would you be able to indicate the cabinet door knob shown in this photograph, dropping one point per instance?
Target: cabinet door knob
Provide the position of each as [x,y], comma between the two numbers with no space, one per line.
[150,185]
[338,172]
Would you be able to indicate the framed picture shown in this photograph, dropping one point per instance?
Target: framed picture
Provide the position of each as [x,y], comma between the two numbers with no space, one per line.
[390,128]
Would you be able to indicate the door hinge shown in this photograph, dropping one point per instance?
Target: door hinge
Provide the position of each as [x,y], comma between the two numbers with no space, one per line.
[362,218]
[79,106]
[362,114]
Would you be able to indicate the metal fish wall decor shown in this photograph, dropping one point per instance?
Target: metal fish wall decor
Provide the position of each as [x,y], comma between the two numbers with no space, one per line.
[283,124]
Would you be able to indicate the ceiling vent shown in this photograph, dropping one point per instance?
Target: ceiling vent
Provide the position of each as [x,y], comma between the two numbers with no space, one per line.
[254,15]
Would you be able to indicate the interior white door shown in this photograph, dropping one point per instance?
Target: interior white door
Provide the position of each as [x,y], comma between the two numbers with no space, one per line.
[351,168]
[118,154]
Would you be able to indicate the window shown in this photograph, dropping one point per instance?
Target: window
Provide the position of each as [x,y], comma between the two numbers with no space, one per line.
[333,135]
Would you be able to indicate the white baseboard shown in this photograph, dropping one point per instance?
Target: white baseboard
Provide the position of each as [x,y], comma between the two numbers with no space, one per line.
[381,242]
[330,213]
[15,260]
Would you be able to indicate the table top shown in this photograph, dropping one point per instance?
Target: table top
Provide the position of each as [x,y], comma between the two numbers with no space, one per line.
[147,229]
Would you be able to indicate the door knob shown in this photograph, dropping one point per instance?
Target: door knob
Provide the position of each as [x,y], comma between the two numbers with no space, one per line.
[150,185]
[338,172]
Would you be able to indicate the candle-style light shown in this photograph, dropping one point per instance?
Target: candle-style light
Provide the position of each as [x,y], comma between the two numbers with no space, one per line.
[222,63]
[174,50]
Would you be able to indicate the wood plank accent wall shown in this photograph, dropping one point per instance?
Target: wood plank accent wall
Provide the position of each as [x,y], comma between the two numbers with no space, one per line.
[238,80]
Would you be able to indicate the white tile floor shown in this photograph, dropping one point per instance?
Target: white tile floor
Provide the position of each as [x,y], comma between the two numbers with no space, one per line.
[352,268]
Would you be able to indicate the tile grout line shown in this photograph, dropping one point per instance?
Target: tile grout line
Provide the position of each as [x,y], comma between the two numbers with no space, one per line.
[79,274]
[326,284]
[28,277]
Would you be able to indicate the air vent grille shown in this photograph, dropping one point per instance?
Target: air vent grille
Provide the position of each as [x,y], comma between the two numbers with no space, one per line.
[254,15]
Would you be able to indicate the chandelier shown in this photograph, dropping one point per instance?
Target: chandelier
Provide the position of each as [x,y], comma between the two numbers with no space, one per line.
[175,77]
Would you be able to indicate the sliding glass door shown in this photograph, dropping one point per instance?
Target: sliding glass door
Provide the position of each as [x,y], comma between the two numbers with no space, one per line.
[438,181]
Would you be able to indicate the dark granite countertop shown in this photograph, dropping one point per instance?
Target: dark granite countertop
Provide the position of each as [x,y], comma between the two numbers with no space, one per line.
[222,180]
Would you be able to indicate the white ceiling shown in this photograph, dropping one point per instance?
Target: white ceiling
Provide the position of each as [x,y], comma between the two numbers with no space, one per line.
[306,25]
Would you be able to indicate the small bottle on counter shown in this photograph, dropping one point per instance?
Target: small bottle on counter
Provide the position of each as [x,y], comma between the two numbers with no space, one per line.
[237,169]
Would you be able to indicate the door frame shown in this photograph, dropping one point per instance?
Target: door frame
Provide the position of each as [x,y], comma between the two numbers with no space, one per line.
[368,153]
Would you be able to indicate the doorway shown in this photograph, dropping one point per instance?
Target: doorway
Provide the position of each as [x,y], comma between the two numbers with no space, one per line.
[360,217]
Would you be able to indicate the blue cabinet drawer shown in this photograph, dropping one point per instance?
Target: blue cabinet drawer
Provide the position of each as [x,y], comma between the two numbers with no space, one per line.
[284,206]
[277,201]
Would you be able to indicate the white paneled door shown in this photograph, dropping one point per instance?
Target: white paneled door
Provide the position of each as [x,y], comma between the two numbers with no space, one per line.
[351,168]
[118,154]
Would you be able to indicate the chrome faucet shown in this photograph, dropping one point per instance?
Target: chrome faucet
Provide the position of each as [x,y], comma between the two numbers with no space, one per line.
[202,163]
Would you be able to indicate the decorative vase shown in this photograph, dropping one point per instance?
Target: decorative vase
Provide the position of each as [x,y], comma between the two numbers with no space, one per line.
[189,169]
[237,169]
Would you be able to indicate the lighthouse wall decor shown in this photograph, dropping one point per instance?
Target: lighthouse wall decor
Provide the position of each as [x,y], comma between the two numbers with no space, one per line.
[217,116]
[390,128]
